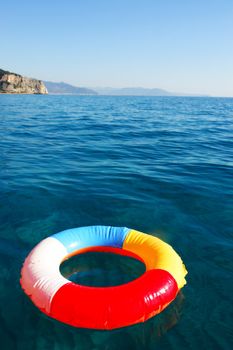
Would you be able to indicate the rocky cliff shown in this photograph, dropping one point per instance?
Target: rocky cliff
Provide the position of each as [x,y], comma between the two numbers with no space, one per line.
[11,83]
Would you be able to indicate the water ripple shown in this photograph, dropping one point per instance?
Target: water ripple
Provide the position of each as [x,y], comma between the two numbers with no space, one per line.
[163,165]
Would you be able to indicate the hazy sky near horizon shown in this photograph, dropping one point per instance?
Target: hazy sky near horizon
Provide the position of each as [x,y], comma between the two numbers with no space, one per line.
[178,45]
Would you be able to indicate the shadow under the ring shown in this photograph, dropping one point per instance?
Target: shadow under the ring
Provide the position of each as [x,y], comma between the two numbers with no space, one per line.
[145,335]
[142,336]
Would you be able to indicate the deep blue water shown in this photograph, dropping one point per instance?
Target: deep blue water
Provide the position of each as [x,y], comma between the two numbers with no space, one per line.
[162,165]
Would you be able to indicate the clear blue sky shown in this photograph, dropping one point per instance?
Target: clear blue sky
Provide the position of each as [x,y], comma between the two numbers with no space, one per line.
[178,45]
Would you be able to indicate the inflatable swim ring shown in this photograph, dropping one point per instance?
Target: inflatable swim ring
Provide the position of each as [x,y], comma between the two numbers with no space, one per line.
[98,307]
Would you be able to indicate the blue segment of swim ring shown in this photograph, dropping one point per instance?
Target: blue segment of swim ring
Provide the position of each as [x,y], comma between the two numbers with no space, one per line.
[92,236]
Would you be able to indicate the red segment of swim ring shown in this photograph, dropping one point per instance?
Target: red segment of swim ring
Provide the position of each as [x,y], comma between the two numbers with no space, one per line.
[114,307]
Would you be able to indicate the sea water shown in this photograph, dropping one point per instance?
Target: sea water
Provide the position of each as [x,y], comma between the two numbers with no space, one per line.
[162,165]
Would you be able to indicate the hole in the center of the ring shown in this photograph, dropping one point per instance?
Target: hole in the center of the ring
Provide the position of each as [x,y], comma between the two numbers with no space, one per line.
[98,269]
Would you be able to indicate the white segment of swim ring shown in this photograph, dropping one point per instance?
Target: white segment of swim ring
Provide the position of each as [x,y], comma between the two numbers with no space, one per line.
[40,275]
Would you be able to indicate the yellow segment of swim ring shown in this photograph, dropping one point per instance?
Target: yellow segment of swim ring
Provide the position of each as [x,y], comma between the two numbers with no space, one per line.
[156,254]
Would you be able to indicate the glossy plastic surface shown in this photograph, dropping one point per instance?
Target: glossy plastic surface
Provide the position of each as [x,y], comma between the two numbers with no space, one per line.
[96,307]
[156,254]
[114,307]
[40,275]
[83,237]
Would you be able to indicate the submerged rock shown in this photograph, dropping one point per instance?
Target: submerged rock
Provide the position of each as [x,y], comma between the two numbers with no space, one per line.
[12,83]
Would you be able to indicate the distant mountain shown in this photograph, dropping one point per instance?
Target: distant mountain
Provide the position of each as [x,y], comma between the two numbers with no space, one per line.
[132,91]
[139,91]
[64,88]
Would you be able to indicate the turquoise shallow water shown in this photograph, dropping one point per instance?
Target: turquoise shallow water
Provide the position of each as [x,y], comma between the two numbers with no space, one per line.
[160,165]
